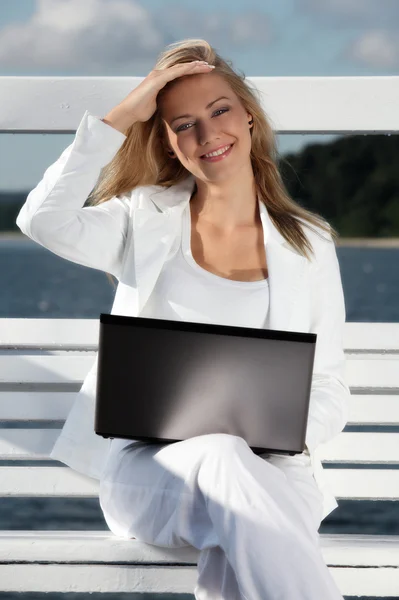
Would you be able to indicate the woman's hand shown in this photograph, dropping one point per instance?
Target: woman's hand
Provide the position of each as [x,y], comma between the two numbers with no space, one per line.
[141,103]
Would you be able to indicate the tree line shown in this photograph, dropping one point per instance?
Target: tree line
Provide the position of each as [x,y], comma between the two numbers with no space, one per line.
[353,182]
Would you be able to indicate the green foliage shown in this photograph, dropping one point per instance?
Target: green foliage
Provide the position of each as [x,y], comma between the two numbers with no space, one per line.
[10,205]
[353,182]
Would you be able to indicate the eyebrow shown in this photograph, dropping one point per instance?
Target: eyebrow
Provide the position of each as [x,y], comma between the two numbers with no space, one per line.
[207,106]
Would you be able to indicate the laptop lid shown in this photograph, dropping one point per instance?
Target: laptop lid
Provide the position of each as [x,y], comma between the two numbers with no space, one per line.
[164,381]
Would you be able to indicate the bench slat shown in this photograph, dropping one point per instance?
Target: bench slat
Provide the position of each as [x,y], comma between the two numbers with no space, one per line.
[372,370]
[48,333]
[362,447]
[105,547]
[55,406]
[86,563]
[373,409]
[379,582]
[347,447]
[351,581]
[362,371]
[87,546]
[362,484]
[36,406]
[39,369]
[371,336]
[97,578]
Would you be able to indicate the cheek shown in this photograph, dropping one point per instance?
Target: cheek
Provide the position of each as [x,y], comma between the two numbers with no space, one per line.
[187,148]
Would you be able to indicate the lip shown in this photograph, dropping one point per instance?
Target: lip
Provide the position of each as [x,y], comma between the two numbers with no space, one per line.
[220,157]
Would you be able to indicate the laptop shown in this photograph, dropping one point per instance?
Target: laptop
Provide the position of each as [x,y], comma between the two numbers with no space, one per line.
[165,381]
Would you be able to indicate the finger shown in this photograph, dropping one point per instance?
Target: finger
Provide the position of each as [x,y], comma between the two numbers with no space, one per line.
[194,63]
[204,64]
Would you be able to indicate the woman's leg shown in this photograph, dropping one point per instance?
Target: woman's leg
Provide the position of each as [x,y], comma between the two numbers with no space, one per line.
[213,491]
[216,577]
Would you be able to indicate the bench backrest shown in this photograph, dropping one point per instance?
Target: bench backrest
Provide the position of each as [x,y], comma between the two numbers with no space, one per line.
[44,361]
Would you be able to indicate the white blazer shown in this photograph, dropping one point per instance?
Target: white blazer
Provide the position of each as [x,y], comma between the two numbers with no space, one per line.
[130,236]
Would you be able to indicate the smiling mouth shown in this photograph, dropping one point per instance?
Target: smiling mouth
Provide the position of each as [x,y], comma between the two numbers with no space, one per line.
[218,156]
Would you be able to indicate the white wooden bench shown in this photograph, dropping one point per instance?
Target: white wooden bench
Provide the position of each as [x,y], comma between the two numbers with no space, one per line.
[43,362]
[40,358]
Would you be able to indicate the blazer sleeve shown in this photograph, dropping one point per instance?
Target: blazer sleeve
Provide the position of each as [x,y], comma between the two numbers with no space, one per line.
[330,394]
[54,214]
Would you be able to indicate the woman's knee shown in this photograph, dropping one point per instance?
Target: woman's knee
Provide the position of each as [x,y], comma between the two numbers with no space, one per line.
[220,443]
[210,452]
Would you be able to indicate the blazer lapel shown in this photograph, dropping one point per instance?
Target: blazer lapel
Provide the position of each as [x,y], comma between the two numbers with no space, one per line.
[287,273]
[156,225]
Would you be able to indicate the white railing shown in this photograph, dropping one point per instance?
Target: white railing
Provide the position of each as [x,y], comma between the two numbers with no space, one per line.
[294,104]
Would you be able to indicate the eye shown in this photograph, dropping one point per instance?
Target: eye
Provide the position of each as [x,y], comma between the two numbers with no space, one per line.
[220,110]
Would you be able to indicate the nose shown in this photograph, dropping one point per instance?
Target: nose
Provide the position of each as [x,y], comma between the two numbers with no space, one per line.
[208,135]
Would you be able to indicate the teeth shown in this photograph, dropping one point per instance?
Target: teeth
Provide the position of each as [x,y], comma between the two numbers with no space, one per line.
[217,152]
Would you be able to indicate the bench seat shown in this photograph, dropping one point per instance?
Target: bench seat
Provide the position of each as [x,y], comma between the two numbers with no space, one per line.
[74,561]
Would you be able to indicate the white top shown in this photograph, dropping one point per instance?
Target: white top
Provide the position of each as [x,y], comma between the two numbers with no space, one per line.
[185,291]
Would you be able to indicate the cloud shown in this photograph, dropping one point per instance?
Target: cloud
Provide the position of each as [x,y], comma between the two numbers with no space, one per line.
[218,28]
[112,35]
[70,34]
[374,23]
[376,49]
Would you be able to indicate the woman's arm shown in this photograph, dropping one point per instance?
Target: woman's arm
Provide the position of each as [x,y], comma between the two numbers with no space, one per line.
[330,394]
[54,216]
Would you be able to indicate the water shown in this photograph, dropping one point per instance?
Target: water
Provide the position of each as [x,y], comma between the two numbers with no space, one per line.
[38,284]
[35,283]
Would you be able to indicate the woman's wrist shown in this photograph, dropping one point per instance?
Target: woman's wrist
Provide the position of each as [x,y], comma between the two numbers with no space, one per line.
[119,122]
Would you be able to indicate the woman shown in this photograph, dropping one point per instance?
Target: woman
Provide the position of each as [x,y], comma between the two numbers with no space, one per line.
[188,211]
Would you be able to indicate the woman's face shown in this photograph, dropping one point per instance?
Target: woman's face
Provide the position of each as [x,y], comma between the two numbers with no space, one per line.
[206,127]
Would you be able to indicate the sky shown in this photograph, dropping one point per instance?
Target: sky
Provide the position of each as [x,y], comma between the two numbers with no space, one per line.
[124,37]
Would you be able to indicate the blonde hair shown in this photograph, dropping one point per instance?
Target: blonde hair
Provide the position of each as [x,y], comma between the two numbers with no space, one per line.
[143,158]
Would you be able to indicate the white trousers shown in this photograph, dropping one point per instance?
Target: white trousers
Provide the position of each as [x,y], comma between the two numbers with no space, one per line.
[255,519]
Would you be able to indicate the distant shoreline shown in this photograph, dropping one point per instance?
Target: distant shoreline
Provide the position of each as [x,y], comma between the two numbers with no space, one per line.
[369,242]
[341,242]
